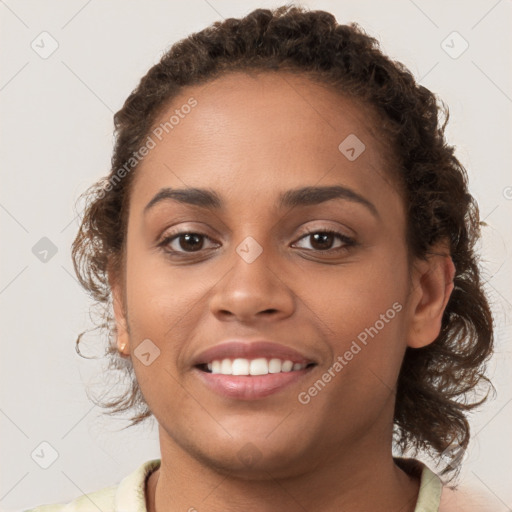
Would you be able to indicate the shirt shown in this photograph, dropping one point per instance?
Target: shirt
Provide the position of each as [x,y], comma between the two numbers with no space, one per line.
[129,495]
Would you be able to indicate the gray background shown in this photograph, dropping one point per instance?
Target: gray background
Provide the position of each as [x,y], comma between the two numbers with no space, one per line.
[56,139]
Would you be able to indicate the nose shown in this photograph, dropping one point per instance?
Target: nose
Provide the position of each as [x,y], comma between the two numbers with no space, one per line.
[252,291]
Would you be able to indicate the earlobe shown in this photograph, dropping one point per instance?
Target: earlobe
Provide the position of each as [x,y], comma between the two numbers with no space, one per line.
[433,285]
[122,347]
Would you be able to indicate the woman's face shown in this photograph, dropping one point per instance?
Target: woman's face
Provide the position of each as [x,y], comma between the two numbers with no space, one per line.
[249,271]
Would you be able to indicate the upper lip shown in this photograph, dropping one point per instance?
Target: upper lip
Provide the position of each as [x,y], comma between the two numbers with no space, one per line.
[234,349]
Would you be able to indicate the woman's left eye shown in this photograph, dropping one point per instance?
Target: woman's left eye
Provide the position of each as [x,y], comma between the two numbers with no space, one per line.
[320,240]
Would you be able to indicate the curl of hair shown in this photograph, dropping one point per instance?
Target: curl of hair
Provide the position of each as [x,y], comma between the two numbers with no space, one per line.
[434,384]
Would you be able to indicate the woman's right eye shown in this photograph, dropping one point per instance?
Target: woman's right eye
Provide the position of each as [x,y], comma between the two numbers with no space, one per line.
[184,240]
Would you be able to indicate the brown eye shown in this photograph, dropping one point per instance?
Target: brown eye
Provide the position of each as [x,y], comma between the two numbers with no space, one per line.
[184,242]
[190,241]
[323,240]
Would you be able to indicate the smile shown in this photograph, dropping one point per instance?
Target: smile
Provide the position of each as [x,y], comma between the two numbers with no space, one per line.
[258,366]
[250,379]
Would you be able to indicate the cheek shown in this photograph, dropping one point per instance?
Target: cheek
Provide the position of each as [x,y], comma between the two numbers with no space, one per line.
[161,304]
[363,306]
[355,294]
[158,290]
[161,318]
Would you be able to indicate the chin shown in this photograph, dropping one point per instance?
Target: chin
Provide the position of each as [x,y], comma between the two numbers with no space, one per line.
[252,457]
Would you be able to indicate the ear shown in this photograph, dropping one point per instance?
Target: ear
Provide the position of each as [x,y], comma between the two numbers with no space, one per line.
[432,284]
[116,287]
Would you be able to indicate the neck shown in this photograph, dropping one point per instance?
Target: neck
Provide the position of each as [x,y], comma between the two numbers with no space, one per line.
[359,478]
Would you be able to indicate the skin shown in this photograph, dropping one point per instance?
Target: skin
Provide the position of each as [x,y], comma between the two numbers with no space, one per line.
[250,137]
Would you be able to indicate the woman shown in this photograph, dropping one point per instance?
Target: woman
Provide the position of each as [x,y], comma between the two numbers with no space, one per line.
[286,240]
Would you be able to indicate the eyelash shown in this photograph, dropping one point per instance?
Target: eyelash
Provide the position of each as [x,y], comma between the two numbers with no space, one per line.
[347,241]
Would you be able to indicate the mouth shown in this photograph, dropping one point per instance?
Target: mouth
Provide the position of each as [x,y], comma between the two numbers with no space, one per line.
[251,379]
[250,370]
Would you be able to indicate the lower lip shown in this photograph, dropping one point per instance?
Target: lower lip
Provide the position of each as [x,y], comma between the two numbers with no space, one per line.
[250,387]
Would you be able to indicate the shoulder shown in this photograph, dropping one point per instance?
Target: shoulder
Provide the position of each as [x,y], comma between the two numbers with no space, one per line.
[128,494]
[469,496]
[102,499]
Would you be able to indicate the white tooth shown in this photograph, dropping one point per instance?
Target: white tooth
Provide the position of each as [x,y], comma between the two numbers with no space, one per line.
[287,366]
[241,366]
[226,367]
[274,366]
[258,366]
[216,366]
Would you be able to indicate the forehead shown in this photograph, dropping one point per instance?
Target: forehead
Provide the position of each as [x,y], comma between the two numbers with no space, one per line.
[263,131]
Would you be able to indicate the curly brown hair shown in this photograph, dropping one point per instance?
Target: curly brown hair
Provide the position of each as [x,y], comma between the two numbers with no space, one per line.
[435,381]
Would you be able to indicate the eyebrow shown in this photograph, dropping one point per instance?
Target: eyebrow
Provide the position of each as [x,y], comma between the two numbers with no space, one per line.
[305,196]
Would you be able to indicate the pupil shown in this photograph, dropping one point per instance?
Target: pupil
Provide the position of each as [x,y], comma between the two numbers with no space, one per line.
[321,235]
[192,239]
